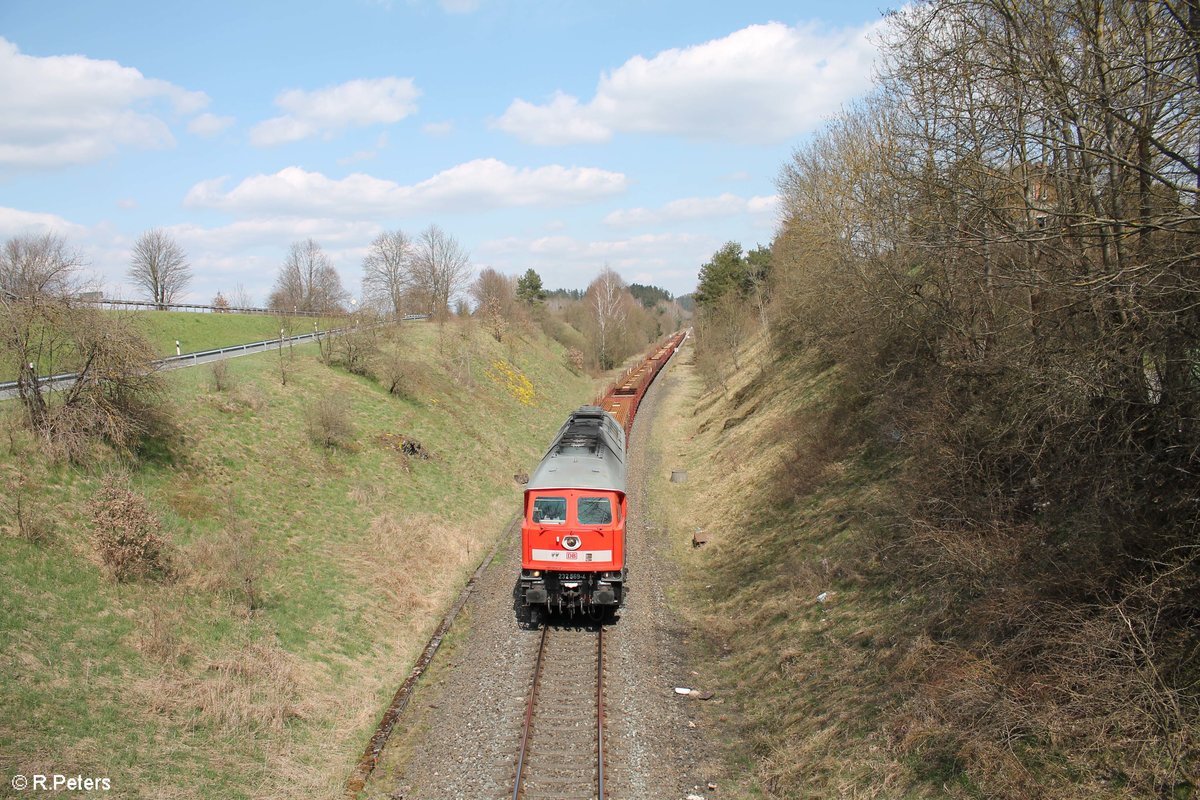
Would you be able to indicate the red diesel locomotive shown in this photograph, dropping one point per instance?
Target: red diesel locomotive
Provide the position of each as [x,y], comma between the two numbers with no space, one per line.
[573,530]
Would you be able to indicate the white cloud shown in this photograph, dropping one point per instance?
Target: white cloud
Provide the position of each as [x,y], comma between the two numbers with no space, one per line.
[327,111]
[764,83]
[366,154]
[562,121]
[438,128]
[248,252]
[209,124]
[61,110]
[459,6]
[272,232]
[693,208]
[15,221]
[474,185]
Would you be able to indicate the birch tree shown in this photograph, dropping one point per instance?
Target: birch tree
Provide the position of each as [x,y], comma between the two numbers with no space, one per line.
[607,300]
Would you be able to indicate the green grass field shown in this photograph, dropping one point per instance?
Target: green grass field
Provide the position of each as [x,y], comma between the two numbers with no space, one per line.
[197,332]
[180,689]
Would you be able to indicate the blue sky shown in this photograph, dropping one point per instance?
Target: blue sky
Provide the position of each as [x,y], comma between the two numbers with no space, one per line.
[562,136]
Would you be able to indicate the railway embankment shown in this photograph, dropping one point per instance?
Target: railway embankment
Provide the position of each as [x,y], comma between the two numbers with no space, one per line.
[308,535]
[852,654]
[797,636]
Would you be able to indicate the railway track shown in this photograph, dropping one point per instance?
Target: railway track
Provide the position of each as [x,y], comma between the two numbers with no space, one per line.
[562,744]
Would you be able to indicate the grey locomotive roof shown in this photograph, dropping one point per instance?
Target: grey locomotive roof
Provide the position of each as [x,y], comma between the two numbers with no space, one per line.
[587,453]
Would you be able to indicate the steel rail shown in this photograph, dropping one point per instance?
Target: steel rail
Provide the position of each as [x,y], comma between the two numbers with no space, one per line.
[537,677]
[600,711]
[531,706]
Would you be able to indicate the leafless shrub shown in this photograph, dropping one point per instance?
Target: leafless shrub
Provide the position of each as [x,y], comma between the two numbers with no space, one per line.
[286,360]
[128,535]
[28,518]
[329,424]
[575,360]
[356,349]
[158,635]
[222,379]
[117,395]
[233,562]
[399,375]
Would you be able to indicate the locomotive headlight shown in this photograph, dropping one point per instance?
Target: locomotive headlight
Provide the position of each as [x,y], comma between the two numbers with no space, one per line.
[571,542]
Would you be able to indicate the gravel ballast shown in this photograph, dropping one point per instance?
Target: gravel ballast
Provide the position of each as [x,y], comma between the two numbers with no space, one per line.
[459,736]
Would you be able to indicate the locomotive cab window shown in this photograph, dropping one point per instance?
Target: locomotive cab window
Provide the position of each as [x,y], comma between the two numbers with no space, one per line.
[550,510]
[594,511]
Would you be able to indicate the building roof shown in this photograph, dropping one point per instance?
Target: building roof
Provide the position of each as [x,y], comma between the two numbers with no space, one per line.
[587,453]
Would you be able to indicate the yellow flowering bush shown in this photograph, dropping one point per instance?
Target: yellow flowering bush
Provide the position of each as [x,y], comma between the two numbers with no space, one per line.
[513,380]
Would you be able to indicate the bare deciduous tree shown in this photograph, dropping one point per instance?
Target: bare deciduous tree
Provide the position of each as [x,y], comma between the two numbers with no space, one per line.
[608,301]
[39,267]
[159,266]
[441,270]
[38,276]
[998,250]
[496,295]
[114,396]
[388,271]
[241,298]
[307,282]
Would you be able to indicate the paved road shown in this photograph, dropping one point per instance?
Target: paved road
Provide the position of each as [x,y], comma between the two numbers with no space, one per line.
[8,390]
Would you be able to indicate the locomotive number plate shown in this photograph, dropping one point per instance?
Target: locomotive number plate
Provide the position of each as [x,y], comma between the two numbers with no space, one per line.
[572,556]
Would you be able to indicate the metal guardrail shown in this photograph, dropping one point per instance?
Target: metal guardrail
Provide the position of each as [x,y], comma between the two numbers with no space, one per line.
[181,360]
[150,305]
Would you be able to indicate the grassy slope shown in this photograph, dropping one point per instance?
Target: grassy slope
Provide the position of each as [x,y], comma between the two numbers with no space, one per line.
[808,679]
[178,690]
[197,332]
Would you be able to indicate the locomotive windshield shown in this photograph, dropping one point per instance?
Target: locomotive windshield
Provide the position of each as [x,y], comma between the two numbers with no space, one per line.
[594,511]
[552,510]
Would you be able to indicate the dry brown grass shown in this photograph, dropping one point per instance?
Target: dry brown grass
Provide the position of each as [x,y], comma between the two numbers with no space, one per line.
[245,690]
[400,375]
[158,635]
[232,562]
[433,551]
